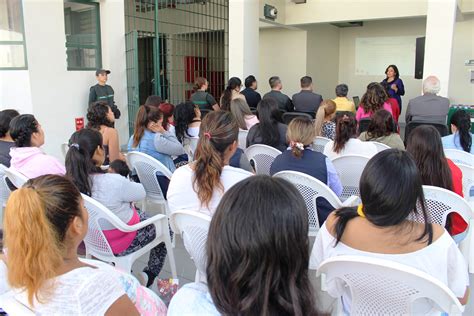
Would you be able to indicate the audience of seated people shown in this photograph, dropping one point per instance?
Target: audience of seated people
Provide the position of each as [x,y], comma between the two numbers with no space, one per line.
[424,144]
[199,185]
[306,100]
[379,228]
[101,118]
[6,141]
[242,114]
[346,142]
[45,221]
[27,156]
[201,98]
[300,157]
[324,124]
[343,104]
[428,107]
[269,130]
[231,92]
[117,193]
[381,129]
[461,137]
[283,101]
[257,255]
[375,98]
[250,93]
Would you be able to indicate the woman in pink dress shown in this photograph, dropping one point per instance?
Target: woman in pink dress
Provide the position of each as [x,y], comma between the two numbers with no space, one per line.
[375,98]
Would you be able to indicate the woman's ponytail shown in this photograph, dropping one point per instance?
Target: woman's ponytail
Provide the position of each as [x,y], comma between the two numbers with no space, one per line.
[140,124]
[233,83]
[346,128]
[462,121]
[344,215]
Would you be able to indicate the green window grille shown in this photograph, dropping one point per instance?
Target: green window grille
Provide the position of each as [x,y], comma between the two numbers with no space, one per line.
[12,36]
[82,26]
[171,42]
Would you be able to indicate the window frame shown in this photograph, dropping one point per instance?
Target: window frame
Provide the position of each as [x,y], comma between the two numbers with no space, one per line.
[98,47]
[23,43]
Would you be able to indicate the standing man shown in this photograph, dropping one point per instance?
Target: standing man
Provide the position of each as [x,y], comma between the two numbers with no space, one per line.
[250,93]
[284,102]
[306,100]
[103,92]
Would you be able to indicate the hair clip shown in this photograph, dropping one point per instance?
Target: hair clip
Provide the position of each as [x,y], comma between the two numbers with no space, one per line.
[360,210]
[76,145]
[208,135]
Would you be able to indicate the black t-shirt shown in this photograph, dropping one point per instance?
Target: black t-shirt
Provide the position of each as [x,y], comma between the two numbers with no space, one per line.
[5,152]
[252,97]
[104,93]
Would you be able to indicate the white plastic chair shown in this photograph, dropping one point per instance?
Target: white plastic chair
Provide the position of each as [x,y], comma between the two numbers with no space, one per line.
[467,181]
[262,157]
[193,227]
[189,145]
[12,306]
[243,138]
[349,168]
[460,157]
[311,189]
[64,149]
[439,204]
[147,168]
[15,177]
[4,192]
[319,143]
[383,287]
[98,246]
[380,146]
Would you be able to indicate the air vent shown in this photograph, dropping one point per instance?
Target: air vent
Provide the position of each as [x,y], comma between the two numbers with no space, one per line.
[348,24]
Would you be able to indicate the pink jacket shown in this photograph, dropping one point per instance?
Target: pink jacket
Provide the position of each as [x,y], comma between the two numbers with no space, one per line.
[360,114]
[32,162]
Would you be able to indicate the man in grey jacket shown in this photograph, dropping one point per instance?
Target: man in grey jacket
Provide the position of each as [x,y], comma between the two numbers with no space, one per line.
[284,102]
[307,100]
[428,107]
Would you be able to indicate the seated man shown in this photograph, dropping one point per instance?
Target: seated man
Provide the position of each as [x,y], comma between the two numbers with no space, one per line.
[428,107]
[306,100]
[284,102]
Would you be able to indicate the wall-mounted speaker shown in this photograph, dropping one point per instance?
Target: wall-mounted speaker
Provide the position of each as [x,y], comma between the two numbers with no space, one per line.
[419,57]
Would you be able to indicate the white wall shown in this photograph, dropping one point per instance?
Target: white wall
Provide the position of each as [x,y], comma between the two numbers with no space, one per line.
[283,54]
[15,90]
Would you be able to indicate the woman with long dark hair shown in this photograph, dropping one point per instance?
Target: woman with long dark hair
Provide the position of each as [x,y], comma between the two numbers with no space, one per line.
[187,120]
[381,129]
[379,228]
[231,92]
[257,255]
[269,131]
[201,98]
[6,141]
[83,161]
[395,84]
[374,99]
[200,185]
[461,137]
[424,144]
[346,142]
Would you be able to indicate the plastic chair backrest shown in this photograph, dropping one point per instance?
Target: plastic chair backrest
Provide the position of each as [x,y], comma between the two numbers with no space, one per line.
[442,128]
[289,116]
[382,287]
[190,144]
[262,157]
[380,146]
[193,227]
[243,138]
[310,188]
[460,157]
[4,189]
[363,125]
[319,143]
[147,168]
[349,168]
[16,177]
[64,149]
[467,180]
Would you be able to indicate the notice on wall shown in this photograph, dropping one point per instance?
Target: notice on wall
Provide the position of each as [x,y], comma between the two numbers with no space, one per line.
[374,54]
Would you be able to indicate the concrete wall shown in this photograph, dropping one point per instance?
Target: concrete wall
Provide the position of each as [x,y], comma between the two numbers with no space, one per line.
[282,53]
[15,90]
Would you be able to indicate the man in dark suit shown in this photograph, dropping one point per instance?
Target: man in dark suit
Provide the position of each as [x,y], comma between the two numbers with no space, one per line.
[250,93]
[306,100]
[284,102]
[428,107]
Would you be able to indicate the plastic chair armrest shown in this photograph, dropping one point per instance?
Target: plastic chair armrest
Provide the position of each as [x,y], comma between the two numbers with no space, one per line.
[351,201]
[131,228]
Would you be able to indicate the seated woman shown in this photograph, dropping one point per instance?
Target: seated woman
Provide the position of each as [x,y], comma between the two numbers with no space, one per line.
[27,157]
[231,92]
[375,98]
[187,120]
[300,157]
[257,255]
[324,125]
[117,193]
[101,118]
[45,221]
[241,111]
[269,131]
[381,129]
[345,142]
[199,186]
[379,228]
[461,138]
[392,101]
[168,110]
[6,141]
[343,104]
[424,144]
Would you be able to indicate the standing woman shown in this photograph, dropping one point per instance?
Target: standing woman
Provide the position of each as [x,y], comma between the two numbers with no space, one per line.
[231,92]
[101,118]
[324,124]
[202,98]
[396,88]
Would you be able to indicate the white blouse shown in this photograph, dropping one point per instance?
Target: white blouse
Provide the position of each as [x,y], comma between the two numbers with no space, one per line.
[441,259]
[353,147]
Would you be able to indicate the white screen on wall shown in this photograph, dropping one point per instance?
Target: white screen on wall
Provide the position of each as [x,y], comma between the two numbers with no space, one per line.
[374,54]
